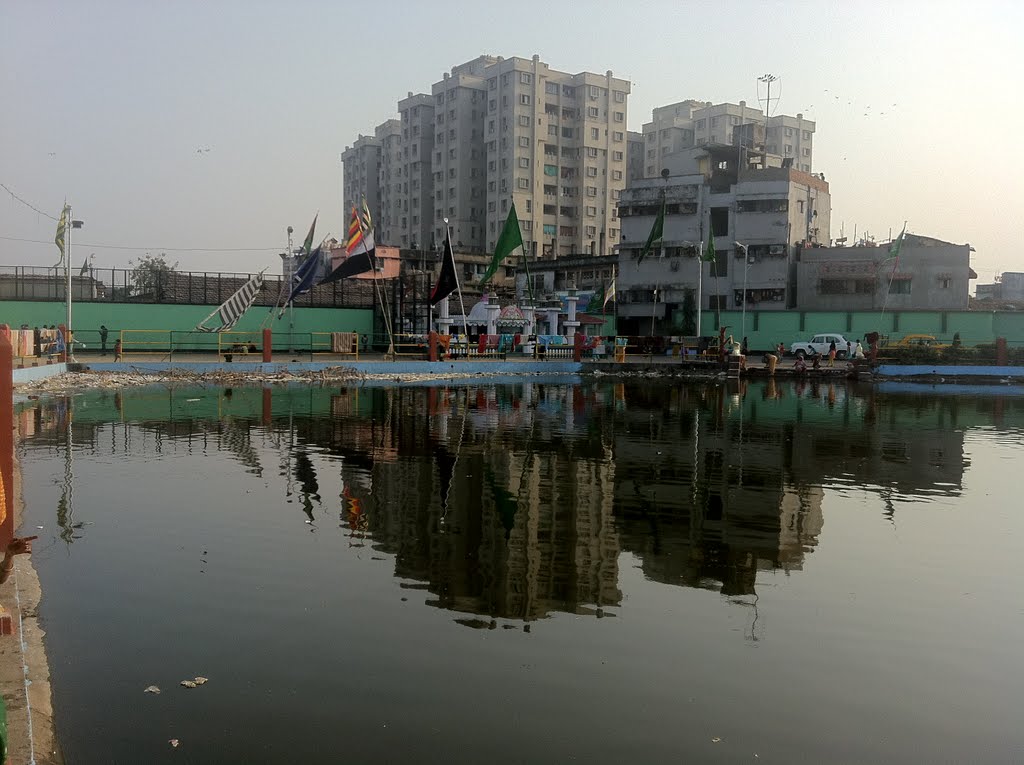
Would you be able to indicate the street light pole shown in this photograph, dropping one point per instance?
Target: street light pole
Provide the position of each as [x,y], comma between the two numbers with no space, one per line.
[746,265]
[69,349]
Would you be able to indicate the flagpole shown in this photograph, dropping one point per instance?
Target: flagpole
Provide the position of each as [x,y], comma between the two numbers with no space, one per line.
[377,289]
[458,287]
[700,280]
[69,351]
[895,265]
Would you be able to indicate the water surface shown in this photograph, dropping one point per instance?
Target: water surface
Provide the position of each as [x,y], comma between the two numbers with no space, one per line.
[530,573]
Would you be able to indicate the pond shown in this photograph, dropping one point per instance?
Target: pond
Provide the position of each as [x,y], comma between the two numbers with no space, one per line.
[535,572]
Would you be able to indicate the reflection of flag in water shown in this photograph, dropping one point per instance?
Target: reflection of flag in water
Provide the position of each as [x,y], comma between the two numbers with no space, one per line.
[505,503]
[305,474]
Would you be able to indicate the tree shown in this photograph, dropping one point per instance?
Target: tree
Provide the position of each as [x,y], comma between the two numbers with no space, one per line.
[150,275]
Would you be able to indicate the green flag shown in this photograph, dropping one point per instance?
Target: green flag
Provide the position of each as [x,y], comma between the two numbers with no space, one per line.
[709,253]
[894,248]
[657,232]
[307,246]
[509,243]
[598,297]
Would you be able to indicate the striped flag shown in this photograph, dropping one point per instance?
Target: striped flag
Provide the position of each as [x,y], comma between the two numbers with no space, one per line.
[609,295]
[355,232]
[235,306]
[62,227]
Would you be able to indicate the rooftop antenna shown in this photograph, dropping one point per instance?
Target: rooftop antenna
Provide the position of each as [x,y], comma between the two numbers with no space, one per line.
[767,79]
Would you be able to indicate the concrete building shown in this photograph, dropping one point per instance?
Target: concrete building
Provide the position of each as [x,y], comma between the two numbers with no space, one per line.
[556,147]
[1008,288]
[361,172]
[495,131]
[930,275]
[675,128]
[634,157]
[388,213]
[417,190]
[460,161]
[769,210]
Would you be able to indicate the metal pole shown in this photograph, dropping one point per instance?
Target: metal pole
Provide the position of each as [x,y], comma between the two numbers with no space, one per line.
[700,280]
[290,263]
[69,352]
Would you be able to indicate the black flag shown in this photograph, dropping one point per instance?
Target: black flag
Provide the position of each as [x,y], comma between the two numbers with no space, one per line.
[447,280]
[361,260]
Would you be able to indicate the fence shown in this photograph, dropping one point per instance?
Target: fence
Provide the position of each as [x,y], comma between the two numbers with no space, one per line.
[117,285]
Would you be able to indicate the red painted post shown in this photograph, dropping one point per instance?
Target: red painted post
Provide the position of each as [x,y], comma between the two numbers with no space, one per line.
[268,344]
[1002,352]
[432,345]
[577,347]
[6,442]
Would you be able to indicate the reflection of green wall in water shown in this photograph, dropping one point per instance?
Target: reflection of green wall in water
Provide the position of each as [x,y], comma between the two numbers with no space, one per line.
[118,316]
[766,329]
[161,404]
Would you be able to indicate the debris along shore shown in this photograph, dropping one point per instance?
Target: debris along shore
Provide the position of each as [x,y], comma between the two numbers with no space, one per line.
[87,380]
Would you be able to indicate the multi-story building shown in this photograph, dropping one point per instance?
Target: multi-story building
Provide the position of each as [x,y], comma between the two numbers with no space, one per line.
[634,157]
[388,211]
[496,131]
[361,172]
[928,275]
[1009,287]
[678,127]
[460,161]
[417,189]
[556,147]
[766,210]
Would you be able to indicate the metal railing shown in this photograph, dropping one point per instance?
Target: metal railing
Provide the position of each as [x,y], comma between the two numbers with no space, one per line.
[120,285]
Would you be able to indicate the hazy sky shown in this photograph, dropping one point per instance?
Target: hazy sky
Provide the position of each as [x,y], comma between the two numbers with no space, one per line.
[107,103]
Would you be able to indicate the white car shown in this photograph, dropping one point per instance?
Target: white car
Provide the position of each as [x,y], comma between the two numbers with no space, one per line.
[820,344]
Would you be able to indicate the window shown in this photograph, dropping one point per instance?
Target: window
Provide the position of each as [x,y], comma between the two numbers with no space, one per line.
[805,152]
[440,137]
[529,206]
[524,99]
[899,287]
[523,183]
[591,172]
[524,161]
[616,156]
[491,206]
[451,153]
[807,135]
[616,175]
[452,172]
[714,122]
[524,120]
[789,149]
[493,105]
[525,78]
[551,87]
[551,170]
[567,132]
[592,152]
[805,168]
[492,166]
[594,91]
[789,132]
[620,97]
[616,193]
[524,142]
[701,124]
[591,211]
[568,91]
[944,283]
[550,229]
[800,205]
[617,136]
[590,230]
[592,111]
[552,129]
[595,133]
[619,117]
[591,191]
[720,221]
[717,301]
[652,153]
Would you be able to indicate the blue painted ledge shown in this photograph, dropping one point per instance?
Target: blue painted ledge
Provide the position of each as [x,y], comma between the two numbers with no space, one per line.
[30,374]
[439,368]
[943,370]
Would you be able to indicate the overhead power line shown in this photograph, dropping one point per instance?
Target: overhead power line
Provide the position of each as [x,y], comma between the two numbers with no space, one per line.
[29,205]
[161,249]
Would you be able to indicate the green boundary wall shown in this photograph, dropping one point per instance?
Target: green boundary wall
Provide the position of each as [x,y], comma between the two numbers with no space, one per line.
[86,318]
[766,329]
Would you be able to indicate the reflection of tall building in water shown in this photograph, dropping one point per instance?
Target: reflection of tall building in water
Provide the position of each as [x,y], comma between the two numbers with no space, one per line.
[506,530]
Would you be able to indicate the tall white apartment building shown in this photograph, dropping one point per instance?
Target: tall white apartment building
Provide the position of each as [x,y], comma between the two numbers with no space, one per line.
[495,131]
[677,127]
[361,173]
[460,161]
[556,147]
[416,192]
[388,211]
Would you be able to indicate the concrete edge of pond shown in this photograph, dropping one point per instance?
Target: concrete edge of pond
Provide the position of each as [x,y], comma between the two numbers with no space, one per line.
[23,657]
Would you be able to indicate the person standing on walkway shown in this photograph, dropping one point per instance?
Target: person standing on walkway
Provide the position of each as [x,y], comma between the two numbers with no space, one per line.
[832,354]
[103,340]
